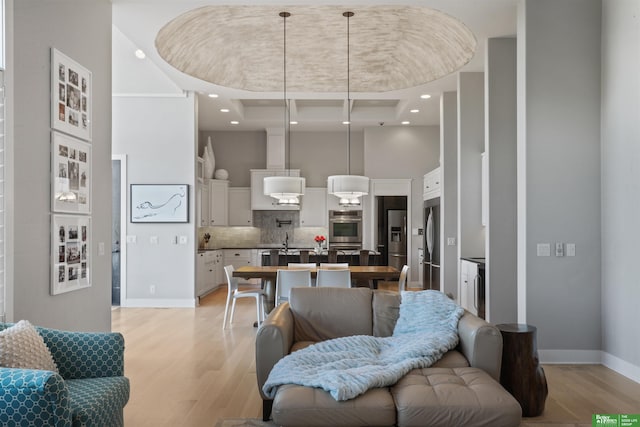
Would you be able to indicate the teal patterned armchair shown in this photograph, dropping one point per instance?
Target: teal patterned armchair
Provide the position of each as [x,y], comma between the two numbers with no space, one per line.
[90,390]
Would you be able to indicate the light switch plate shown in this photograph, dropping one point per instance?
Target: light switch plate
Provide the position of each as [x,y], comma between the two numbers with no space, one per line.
[451,241]
[559,249]
[544,249]
[183,240]
[132,239]
[153,240]
[571,249]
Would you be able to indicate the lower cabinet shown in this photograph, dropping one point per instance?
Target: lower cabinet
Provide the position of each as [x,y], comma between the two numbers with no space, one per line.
[239,258]
[472,287]
[209,272]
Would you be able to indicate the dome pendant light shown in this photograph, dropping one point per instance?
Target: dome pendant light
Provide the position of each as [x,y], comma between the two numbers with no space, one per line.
[348,188]
[286,189]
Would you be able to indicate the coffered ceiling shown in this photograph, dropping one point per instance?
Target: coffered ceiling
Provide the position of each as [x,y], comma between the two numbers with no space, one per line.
[398,52]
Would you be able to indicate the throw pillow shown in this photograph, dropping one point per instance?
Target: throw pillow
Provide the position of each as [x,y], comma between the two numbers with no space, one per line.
[21,346]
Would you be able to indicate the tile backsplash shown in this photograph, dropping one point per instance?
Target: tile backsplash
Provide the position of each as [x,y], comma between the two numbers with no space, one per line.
[269,227]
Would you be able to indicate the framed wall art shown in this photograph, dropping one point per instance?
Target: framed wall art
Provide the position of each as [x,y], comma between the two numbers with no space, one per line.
[70,96]
[71,174]
[71,253]
[159,203]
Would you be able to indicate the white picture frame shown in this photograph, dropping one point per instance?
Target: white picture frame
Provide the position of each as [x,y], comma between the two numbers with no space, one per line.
[71,96]
[71,177]
[159,203]
[70,253]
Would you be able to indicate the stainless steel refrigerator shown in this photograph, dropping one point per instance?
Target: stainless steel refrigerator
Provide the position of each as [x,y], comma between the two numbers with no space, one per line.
[397,238]
[431,263]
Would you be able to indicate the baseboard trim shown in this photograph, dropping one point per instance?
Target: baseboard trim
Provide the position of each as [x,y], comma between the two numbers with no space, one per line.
[570,356]
[577,357]
[158,303]
[622,367]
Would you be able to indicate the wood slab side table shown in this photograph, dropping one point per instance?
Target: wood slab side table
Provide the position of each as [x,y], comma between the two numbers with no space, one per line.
[521,373]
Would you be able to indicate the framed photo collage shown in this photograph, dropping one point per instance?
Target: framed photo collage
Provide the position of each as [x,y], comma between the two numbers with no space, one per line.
[71,177]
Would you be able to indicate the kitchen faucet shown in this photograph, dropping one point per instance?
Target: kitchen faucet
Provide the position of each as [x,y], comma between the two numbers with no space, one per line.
[286,241]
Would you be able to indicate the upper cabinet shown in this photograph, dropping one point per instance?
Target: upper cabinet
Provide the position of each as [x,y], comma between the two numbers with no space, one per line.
[240,213]
[313,212]
[218,202]
[202,204]
[432,184]
[261,202]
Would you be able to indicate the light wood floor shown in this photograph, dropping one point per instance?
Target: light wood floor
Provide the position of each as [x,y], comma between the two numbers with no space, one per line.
[186,371]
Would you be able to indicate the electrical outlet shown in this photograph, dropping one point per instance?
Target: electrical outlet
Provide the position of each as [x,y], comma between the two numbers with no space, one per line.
[451,241]
[101,248]
[132,239]
[152,289]
[544,249]
[183,240]
[153,240]
[559,249]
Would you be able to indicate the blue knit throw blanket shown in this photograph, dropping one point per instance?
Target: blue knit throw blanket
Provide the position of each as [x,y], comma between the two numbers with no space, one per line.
[347,367]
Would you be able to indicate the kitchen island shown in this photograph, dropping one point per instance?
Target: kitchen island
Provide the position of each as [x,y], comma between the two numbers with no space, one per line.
[268,275]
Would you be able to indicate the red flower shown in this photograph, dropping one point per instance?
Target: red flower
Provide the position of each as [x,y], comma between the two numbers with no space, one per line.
[319,239]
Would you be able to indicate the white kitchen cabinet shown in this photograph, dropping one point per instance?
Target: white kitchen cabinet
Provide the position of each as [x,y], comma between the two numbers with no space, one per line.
[201,273]
[432,184]
[240,258]
[262,202]
[469,277]
[240,213]
[237,257]
[218,202]
[207,275]
[219,276]
[202,204]
[313,212]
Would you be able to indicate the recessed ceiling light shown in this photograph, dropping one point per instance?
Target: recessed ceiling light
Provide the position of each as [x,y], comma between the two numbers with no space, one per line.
[213,95]
[224,110]
[406,122]
[425,96]
[235,122]
[345,122]
[415,110]
[140,54]
[293,122]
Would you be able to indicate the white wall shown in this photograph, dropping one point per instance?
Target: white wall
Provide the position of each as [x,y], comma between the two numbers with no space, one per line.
[404,152]
[470,148]
[449,209]
[317,154]
[620,184]
[81,30]
[158,137]
[560,60]
[500,146]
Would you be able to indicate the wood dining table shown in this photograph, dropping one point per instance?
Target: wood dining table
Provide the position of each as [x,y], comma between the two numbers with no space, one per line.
[268,275]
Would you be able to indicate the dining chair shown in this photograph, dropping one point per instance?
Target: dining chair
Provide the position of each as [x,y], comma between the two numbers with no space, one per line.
[332,255]
[334,265]
[365,258]
[233,293]
[287,279]
[333,278]
[402,282]
[302,265]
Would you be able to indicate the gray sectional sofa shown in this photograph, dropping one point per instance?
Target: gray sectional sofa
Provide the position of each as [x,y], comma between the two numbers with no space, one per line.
[461,389]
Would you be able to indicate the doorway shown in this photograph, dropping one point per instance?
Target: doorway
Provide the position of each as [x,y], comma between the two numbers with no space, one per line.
[118,228]
[391,230]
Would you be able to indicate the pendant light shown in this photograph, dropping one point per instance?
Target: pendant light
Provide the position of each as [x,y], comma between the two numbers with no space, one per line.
[286,189]
[348,188]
